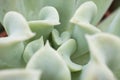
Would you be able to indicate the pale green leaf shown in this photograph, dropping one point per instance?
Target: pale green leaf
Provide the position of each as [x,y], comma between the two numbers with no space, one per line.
[43,27]
[96,71]
[102,6]
[83,26]
[32,48]
[66,50]
[50,63]
[12,47]
[104,49]
[81,15]
[59,39]
[16,26]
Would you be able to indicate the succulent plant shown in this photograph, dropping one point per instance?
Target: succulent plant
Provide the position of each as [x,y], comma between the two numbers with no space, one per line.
[59,40]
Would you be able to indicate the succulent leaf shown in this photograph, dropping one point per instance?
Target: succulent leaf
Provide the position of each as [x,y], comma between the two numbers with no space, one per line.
[60,39]
[44,26]
[12,46]
[102,6]
[104,48]
[32,48]
[83,51]
[50,63]
[16,26]
[65,51]
[83,26]
[96,71]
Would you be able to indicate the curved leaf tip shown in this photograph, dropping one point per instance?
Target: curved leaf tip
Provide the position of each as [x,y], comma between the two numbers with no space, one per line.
[65,51]
[16,26]
[82,15]
[49,14]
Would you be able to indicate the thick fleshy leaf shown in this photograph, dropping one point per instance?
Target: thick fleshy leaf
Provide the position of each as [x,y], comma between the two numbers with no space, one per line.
[12,47]
[16,26]
[48,18]
[32,48]
[96,71]
[50,63]
[81,15]
[66,50]
[82,26]
[59,39]
[104,48]
[82,60]
[19,74]
[49,15]
[102,6]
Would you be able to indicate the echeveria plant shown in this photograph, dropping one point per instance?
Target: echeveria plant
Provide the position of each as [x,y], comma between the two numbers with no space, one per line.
[59,40]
